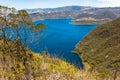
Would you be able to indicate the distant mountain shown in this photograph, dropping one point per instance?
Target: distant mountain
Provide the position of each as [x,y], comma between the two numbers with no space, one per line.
[66,8]
[74,12]
[102,14]
[30,11]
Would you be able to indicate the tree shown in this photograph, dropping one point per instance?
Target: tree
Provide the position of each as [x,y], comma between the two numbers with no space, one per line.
[2,28]
[3,21]
[9,17]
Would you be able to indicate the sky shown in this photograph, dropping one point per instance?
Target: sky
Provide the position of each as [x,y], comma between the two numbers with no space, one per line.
[29,4]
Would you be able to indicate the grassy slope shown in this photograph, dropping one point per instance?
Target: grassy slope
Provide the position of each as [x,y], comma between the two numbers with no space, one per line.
[18,66]
[26,64]
[100,49]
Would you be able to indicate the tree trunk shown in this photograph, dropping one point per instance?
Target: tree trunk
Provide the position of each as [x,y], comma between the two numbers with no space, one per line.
[4,36]
[115,74]
[17,32]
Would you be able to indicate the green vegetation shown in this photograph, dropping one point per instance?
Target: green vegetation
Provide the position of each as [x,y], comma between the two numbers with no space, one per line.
[19,63]
[26,65]
[9,17]
[100,51]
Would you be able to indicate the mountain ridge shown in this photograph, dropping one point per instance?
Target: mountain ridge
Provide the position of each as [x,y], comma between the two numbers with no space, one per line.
[74,12]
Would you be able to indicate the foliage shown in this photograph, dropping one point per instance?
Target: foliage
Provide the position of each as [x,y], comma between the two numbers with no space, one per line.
[39,67]
[101,49]
[9,17]
[19,63]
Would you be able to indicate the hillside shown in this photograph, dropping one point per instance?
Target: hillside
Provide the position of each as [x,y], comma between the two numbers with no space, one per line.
[64,8]
[98,14]
[19,63]
[100,49]
[74,12]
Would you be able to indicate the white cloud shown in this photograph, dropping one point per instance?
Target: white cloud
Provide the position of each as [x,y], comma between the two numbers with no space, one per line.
[20,4]
[110,1]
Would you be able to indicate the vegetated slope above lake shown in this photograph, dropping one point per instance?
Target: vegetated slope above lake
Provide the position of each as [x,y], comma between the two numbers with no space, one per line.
[19,63]
[100,49]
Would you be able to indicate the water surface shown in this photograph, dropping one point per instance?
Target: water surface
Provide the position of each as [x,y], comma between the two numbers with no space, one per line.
[60,38]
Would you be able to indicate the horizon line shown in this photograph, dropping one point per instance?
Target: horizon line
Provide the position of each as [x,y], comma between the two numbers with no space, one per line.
[66,6]
[74,5]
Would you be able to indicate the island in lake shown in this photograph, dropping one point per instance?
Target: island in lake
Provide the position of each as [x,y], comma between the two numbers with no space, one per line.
[90,21]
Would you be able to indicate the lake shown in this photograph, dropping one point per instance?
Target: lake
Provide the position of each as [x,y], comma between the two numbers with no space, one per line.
[58,39]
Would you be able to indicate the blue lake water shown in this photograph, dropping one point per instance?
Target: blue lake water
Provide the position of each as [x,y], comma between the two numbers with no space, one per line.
[59,39]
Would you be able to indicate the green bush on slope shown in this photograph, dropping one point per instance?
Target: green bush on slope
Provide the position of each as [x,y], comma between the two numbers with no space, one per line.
[23,65]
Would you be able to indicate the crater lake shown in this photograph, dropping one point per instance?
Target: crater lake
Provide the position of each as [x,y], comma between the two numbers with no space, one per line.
[58,39]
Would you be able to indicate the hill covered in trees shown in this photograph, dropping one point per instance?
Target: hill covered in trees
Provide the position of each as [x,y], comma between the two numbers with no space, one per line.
[100,50]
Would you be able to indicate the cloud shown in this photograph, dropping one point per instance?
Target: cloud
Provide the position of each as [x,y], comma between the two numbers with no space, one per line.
[21,4]
[110,1]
